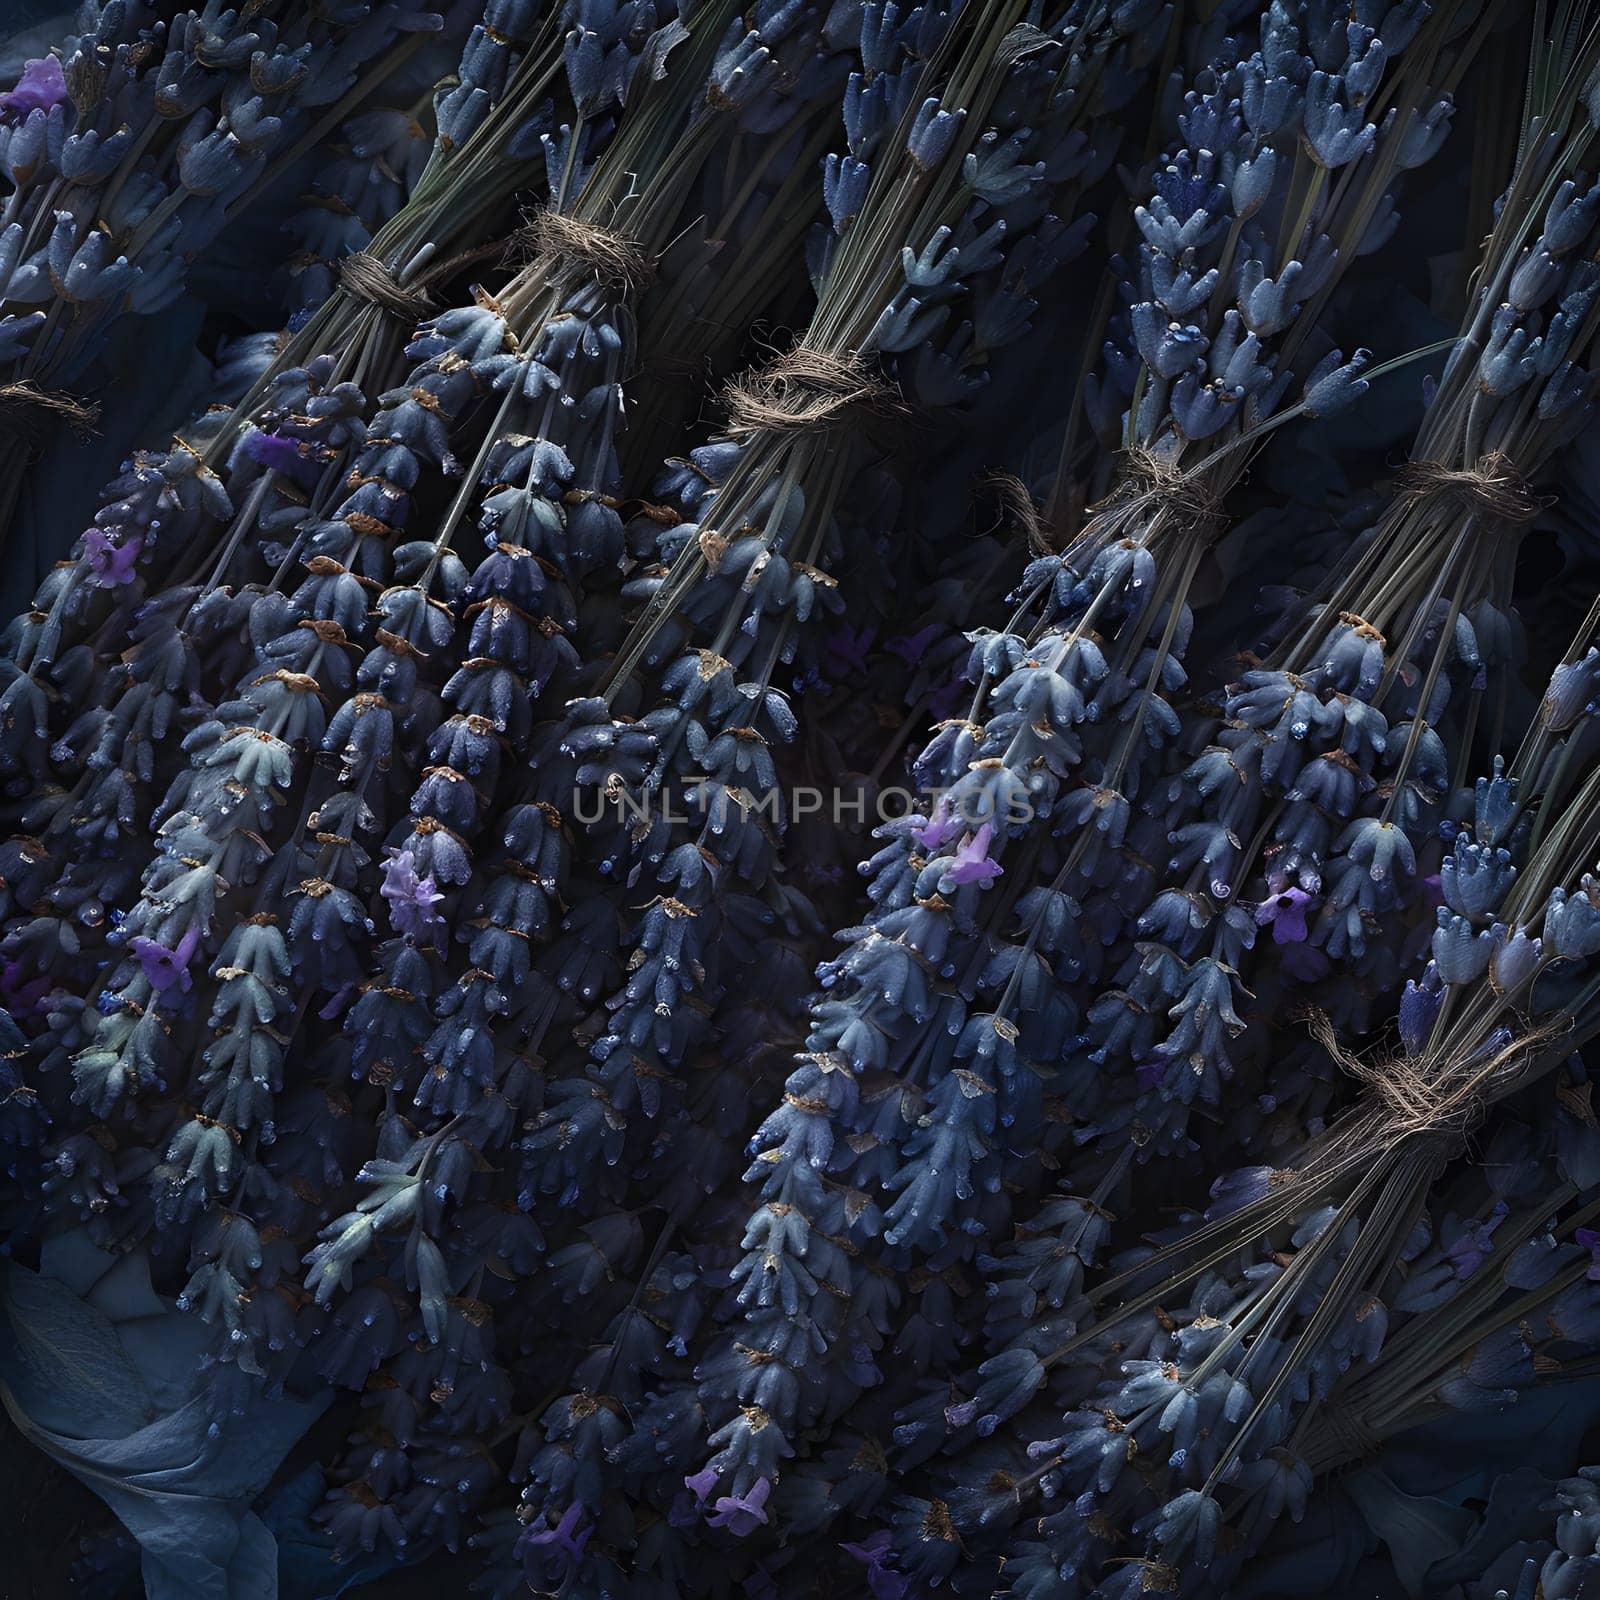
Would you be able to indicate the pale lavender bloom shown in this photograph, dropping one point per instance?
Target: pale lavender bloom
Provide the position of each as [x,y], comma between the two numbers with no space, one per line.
[112,564]
[973,863]
[874,1553]
[741,1514]
[940,827]
[700,1484]
[567,1542]
[1285,911]
[411,899]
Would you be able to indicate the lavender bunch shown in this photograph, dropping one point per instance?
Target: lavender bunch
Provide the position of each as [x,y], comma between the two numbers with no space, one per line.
[1311,812]
[744,571]
[125,154]
[950,1011]
[167,503]
[252,826]
[1299,1273]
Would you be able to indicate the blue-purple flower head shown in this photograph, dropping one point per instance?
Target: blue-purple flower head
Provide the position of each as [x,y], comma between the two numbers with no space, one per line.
[111,565]
[549,1554]
[167,968]
[42,86]
[411,899]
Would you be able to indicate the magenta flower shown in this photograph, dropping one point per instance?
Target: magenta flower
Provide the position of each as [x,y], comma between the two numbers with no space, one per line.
[1590,1240]
[742,1514]
[112,564]
[941,826]
[411,899]
[875,1552]
[973,863]
[1286,912]
[42,85]
[166,969]
[912,647]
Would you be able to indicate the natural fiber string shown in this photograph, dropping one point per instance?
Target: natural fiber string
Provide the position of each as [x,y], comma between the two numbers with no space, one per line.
[1147,480]
[1432,1095]
[1493,488]
[804,391]
[1017,506]
[367,278]
[563,241]
[23,405]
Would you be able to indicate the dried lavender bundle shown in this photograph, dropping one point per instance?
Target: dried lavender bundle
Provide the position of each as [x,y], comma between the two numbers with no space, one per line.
[745,578]
[127,154]
[212,936]
[936,1003]
[1237,1327]
[169,505]
[1313,811]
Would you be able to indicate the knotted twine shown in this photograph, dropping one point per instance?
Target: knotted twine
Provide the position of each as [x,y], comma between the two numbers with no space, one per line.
[24,405]
[805,391]
[560,242]
[1147,481]
[1437,1094]
[1492,488]
[367,278]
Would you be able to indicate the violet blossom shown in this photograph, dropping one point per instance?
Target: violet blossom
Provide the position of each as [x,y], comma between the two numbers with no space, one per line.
[741,1514]
[411,899]
[942,825]
[875,1552]
[566,1544]
[279,453]
[112,564]
[973,863]
[1285,912]
[167,969]
[42,86]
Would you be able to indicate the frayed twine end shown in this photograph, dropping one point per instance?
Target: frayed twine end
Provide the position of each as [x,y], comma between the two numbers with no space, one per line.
[24,406]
